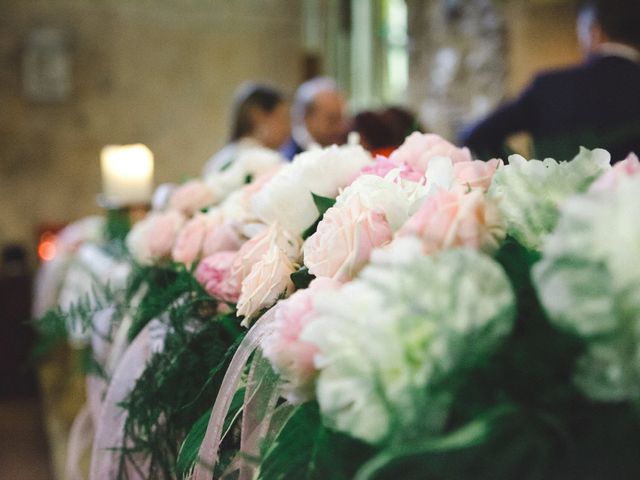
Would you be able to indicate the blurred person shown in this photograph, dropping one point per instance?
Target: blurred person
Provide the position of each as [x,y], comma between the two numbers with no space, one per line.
[382,131]
[318,116]
[403,123]
[376,135]
[594,104]
[260,118]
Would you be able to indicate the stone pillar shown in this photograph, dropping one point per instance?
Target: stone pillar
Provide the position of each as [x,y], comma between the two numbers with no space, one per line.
[457,61]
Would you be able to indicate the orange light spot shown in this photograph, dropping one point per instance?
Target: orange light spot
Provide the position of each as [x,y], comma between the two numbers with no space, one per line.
[47,250]
[47,246]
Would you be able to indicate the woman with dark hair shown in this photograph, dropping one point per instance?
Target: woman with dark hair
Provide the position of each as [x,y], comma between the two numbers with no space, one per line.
[260,119]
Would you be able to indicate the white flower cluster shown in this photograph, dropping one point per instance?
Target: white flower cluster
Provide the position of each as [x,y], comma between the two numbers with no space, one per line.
[530,191]
[589,283]
[286,199]
[250,164]
[388,338]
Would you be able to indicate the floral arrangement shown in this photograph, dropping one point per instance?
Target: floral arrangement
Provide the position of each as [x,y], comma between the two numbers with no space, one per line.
[425,315]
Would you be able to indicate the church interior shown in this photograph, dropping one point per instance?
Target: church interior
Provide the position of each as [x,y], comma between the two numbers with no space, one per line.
[79,75]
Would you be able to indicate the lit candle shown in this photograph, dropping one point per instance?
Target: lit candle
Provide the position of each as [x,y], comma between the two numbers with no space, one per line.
[127,174]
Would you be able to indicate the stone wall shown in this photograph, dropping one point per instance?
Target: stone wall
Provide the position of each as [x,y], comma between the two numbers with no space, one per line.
[158,72]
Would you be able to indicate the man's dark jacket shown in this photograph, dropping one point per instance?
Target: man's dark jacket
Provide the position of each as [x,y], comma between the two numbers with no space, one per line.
[595,104]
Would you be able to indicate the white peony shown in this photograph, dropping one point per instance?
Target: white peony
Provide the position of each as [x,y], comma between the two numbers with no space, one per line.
[439,174]
[249,165]
[381,195]
[286,198]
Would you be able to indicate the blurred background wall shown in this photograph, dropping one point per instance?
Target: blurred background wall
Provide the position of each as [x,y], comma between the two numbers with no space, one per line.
[158,72]
[162,73]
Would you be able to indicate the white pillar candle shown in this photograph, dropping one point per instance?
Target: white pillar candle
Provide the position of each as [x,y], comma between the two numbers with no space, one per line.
[127,174]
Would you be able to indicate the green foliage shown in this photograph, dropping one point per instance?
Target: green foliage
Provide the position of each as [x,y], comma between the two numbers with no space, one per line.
[52,329]
[322,204]
[502,444]
[191,445]
[306,449]
[164,286]
[180,383]
[117,225]
[301,278]
[54,325]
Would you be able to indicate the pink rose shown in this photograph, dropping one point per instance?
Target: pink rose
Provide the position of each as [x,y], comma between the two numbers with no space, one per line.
[476,174]
[191,197]
[342,244]
[268,279]
[188,245]
[222,237]
[214,274]
[162,231]
[626,168]
[290,356]
[383,165]
[419,148]
[456,219]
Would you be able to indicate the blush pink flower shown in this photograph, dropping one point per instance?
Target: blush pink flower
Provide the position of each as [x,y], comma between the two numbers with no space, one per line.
[191,197]
[221,237]
[252,251]
[344,239]
[188,244]
[268,279]
[419,148]
[162,231]
[214,274]
[628,167]
[456,219]
[476,174]
[290,356]
[383,165]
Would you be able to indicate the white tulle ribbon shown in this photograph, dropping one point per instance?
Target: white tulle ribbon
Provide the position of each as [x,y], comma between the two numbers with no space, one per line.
[109,438]
[208,454]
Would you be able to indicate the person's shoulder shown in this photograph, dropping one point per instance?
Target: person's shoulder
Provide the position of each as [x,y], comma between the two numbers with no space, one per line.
[616,64]
[554,81]
[290,149]
[560,74]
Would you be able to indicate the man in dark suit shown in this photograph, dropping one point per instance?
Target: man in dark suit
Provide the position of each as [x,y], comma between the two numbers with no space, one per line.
[318,116]
[594,104]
